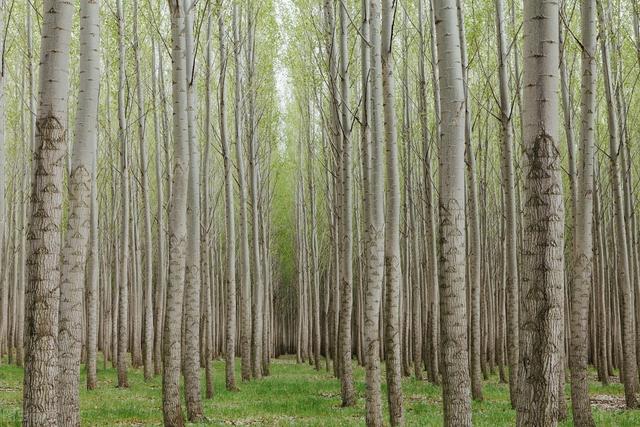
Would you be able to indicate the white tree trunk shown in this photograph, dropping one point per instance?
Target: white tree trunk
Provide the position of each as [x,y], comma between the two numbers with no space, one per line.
[177,223]
[40,401]
[245,263]
[375,227]
[123,280]
[393,270]
[583,238]
[74,252]
[191,357]
[453,313]
[542,274]
[230,265]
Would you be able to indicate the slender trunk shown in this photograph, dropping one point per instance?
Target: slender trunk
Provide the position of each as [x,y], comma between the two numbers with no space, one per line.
[177,223]
[583,225]
[123,281]
[375,226]
[230,267]
[453,313]
[146,205]
[93,283]
[346,280]
[510,225]
[625,294]
[191,351]
[245,263]
[74,252]
[473,231]
[393,273]
[160,217]
[258,285]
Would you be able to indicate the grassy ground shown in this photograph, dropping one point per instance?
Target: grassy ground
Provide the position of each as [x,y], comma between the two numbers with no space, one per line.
[293,395]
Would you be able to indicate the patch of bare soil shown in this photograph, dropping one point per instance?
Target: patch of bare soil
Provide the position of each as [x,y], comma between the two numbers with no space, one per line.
[608,403]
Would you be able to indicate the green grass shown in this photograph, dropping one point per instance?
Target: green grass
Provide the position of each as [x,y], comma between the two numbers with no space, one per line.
[293,395]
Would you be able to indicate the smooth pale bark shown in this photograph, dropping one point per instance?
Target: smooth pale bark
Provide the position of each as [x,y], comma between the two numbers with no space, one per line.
[453,314]
[74,251]
[583,236]
[629,372]
[177,223]
[393,270]
[346,216]
[258,284]
[3,268]
[473,229]
[161,268]
[245,263]
[40,401]
[206,306]
[333,179]
[542,273]
[315,269]
[510,226]
[230,266]
[191,351]
[123,279]
[147,274]
[93,283]
[419,307]
[431,251]
[375,226]
[365,159]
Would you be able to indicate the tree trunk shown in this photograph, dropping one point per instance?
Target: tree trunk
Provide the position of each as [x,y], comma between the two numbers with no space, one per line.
[74,252]
[510,226]
[258,285]
[177,223]
[346,270]
[629,374]
[146,205]
[191,351]
[542,276]
[245,263]
[40,401]
[393,273]
[161,270]
[123,281]
[230,266]
[453,313]
[583,236]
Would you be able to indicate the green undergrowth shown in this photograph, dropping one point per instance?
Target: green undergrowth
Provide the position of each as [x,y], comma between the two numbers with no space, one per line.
[292,395]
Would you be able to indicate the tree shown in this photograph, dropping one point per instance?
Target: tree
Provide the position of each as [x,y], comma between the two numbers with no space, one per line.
[508,185]
[146,205]
[123,279]
[177,222]
[40,401]
[230,266]
[346,218]
[453,314]
[392,266]
[542,273]
[625,296]
[253,140]
[191,351]
[74,251]
[583,238]
[245,265]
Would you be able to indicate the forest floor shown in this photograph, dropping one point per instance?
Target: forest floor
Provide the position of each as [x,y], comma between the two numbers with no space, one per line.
[292,395]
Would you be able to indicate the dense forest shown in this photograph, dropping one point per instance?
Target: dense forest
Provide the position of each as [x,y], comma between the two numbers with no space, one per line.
[319,212]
